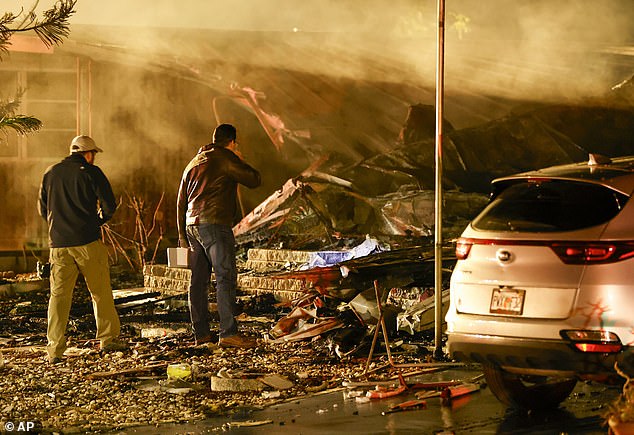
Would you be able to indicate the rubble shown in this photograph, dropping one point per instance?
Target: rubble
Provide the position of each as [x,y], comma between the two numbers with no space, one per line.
[310,213]
[77,396]
[421,316]
[12,283]
[309,345]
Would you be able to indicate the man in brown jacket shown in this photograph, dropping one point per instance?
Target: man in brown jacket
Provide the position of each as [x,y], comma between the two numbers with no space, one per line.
[207,209]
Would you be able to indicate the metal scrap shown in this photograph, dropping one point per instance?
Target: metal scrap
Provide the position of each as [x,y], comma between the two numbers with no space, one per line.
[406,406]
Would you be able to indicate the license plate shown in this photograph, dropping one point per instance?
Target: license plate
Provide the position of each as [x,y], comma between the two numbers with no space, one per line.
[507,301]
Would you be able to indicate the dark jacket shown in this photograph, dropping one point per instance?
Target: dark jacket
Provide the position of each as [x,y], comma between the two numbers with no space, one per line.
[209,187]
[75,199]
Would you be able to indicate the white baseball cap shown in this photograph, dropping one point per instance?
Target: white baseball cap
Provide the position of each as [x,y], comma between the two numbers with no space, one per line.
[83,143]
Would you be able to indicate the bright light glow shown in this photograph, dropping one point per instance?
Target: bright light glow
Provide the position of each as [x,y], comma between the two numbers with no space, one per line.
[591,335]
[594,341]
[598,347]
[462,249]
[593,252]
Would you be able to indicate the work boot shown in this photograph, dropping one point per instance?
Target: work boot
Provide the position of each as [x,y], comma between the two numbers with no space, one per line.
[203,340]
[54,360]
[114,346]
[238,341]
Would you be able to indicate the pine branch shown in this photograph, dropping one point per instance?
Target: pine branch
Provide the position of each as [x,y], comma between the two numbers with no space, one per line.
[8,107]
[22,124]
[52,28]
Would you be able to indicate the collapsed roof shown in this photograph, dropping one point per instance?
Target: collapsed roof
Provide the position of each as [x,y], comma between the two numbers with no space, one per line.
[351,130]
[355,123]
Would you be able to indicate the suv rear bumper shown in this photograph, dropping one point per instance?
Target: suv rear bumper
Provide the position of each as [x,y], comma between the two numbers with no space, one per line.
[535,356]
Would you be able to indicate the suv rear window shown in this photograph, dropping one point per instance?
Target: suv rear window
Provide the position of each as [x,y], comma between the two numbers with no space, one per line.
[549,206]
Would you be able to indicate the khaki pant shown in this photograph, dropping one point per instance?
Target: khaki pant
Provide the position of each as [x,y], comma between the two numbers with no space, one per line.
[66,264]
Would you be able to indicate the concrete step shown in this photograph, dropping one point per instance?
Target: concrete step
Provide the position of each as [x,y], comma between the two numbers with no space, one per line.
[283,290]
[167,280]
[265,260]
[175,280]
[11,289]
[279,255]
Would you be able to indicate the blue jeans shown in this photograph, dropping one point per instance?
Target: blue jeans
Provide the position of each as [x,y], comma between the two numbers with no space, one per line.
[212,246]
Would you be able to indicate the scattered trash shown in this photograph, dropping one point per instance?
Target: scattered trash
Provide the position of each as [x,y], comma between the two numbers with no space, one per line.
[179,371]
[125,372]
[161,332]
[301,324]
[229,384]
[148,385]
[178,386]
[352,394]
[428,394]
[459,390]
[331,258]
[43,270]
[371,384]
[406,406]
[317,388]
[306,333]
[276,381]
[249,423]
[421,317]
[383,393]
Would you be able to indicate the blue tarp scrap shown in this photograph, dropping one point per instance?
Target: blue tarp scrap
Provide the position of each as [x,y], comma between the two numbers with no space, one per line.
[330,258]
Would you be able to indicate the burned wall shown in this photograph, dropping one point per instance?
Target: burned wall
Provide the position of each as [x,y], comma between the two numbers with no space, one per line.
[530,137]
[46,86]
[149,124]
[155,122]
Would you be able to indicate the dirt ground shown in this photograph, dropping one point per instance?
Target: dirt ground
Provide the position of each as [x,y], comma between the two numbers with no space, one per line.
[313,385]
[91,391]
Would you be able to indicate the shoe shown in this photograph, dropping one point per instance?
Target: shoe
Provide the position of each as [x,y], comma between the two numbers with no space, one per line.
[54,360]
[238,341]
[203,340]
[114,346]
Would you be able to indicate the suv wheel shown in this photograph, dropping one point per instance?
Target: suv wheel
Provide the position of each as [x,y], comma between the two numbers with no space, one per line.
[527,392]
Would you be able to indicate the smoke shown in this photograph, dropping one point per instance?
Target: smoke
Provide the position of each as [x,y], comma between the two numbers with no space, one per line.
[541,49]
[494,49]
[536,50]
[523,49]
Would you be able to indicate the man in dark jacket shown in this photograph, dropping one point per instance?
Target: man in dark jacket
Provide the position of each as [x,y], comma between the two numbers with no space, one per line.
[207,209]
[76,199]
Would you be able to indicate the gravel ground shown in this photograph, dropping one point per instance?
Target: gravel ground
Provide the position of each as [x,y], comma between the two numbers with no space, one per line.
[92,391]
[72,397]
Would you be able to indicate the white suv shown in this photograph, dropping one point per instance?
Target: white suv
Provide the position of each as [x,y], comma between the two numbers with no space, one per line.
[543,290]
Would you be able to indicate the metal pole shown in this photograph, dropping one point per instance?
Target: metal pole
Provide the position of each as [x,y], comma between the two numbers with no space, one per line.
[440,63]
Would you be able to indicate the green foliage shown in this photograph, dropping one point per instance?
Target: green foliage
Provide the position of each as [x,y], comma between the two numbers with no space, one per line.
[51,28]
[22,124]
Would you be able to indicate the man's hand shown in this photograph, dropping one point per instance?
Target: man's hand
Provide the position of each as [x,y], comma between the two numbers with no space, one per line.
[233,147]
[183,243]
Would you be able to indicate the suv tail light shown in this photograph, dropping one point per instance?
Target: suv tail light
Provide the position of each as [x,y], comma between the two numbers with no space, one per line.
[568,252]
[463,247]
[593,341]
[593,252]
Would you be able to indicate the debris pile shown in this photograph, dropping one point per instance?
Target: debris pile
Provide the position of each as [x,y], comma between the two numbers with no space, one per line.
[312,342]
[313,212]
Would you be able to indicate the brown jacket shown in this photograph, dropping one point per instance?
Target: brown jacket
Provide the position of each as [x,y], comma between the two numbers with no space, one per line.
[209,187]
